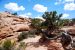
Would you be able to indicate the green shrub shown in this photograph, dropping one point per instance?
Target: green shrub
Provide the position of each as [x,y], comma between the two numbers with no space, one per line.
[31,33]
[7,45]
[1,48]
[25,35]
[22,46]
[22,36]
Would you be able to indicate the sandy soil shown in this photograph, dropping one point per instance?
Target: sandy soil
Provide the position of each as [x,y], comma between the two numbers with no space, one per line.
[33,44]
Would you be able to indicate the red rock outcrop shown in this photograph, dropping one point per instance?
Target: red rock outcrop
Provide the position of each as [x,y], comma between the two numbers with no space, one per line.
[12,23]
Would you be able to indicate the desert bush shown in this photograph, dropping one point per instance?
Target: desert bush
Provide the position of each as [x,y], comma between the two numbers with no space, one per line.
[22,36]
[32,33]
[21,46]
[6,45]
[9,45]
[25,35]
[0,48]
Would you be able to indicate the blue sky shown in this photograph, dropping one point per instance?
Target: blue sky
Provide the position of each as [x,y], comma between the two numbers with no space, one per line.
[35,8]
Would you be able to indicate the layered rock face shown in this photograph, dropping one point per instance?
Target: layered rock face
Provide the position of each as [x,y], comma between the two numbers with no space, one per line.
[10,24]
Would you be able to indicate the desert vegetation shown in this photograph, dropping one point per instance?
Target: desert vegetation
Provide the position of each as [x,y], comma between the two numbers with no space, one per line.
[48,28]
[12,45]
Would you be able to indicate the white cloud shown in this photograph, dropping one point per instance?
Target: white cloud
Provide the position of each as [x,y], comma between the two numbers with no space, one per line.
[14,7]
[69,6]
[39,17]
[63,2]
[40,8]
[29,13]
[26,15]
[58,2]
[69,1]
[65,15]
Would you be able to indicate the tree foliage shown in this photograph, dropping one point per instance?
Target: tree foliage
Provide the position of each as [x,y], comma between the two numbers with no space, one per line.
[73,21]
[15,13]
[52,20]
[66,22]
[36,23]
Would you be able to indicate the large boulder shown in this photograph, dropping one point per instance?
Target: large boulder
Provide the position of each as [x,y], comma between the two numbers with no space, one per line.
[20,27]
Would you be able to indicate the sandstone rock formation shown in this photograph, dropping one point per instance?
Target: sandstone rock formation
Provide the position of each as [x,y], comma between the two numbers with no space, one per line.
[70,30]
[12,23]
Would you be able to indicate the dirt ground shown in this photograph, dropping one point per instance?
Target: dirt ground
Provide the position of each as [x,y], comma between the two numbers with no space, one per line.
[33,44]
